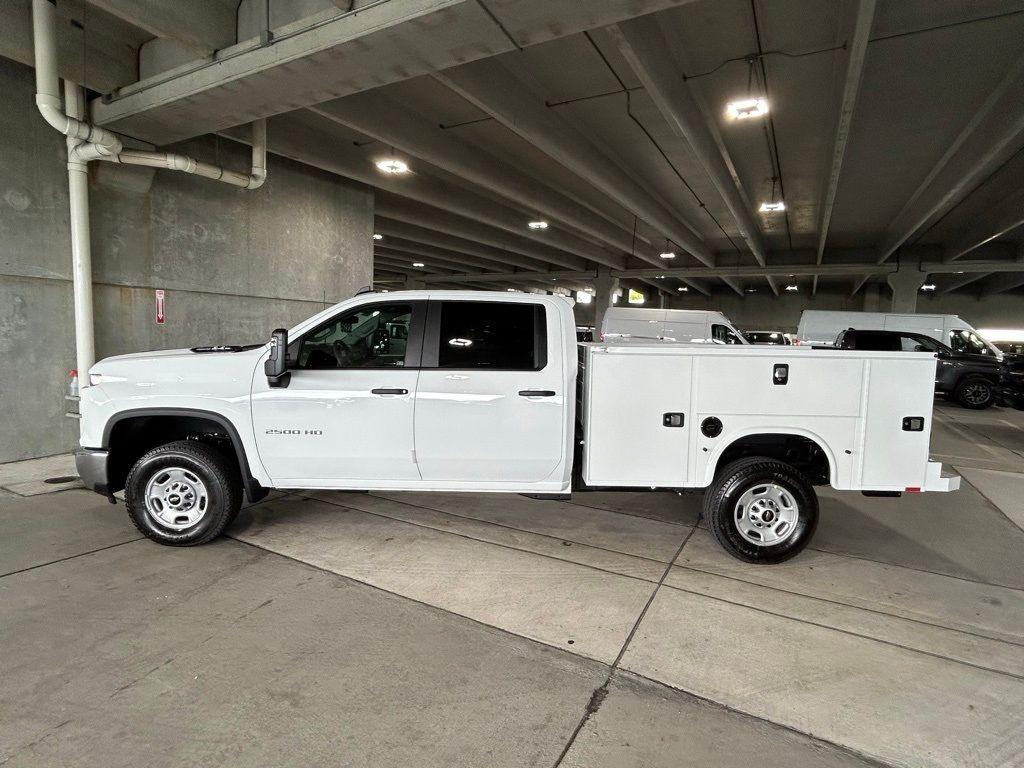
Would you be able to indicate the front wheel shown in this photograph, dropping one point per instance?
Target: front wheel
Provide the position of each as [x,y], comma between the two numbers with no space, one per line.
[183,493]
[761,510]
[975,392]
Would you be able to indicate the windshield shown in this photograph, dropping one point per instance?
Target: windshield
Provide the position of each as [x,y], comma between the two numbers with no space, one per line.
[970,343]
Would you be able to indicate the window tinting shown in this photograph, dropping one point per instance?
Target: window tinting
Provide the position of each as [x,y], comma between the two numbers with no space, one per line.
[374,336]
[968,342]
[499,335]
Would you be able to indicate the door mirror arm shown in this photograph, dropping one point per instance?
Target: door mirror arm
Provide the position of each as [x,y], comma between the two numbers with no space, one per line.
[276,366]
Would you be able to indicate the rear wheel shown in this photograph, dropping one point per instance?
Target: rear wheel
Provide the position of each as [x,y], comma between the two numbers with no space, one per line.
[761,510]
[183,493]
[975,392]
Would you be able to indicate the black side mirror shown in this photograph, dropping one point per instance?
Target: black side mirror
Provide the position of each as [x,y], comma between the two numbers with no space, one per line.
[276,366]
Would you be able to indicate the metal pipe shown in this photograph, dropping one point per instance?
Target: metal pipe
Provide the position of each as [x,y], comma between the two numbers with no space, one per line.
[81,253]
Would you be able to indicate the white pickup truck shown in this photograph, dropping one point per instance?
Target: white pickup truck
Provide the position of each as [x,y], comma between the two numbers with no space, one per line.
[476,391]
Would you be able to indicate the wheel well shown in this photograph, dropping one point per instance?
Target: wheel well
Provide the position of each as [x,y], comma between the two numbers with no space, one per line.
[801,452]
[991,378]
[133,436]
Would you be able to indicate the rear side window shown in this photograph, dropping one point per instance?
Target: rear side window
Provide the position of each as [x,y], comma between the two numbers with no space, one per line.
[504,336]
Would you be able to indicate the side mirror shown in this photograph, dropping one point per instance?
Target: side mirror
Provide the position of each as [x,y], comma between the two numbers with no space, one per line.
[941,353]
[276,366]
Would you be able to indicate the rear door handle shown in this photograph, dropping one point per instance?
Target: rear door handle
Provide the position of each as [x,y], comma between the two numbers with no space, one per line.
[389,391]
[536,393]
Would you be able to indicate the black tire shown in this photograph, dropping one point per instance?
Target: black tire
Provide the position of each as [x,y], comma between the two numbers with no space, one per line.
[219,476]
[975,392]
[735,479]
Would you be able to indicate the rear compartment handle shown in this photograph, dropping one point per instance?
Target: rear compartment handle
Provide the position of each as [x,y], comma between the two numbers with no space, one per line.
[536,393]
[389,391]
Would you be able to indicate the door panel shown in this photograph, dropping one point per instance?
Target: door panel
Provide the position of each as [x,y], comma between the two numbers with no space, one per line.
[347,413]
[476,423]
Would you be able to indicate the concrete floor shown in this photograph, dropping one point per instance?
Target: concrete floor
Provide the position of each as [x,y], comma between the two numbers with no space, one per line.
[468,630]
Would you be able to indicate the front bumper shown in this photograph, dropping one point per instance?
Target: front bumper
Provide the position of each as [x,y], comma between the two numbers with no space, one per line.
[92,464]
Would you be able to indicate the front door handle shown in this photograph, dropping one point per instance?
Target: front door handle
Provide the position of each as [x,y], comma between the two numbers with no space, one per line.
[536,393]
[389,391]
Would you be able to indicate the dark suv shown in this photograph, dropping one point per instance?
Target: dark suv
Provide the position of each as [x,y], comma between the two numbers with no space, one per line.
[973,380]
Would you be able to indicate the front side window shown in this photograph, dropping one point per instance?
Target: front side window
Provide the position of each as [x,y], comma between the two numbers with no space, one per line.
[919,344]
[499,335]
[968,342]
[722,334]
[374,336]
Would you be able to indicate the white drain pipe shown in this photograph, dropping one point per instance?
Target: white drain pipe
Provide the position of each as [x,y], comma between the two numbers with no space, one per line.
[88,142]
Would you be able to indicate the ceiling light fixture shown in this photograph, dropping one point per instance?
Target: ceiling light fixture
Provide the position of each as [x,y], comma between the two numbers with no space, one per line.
[776,207]
[928,287]
[377,236]
[751,290]
[392,166]
[745,109]
[683,288]
[792,288]
[418,264]
[539,224]
[583,297]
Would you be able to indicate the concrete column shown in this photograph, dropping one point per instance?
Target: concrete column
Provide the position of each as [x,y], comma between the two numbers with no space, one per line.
[604,288]
[906,284]
[872,297]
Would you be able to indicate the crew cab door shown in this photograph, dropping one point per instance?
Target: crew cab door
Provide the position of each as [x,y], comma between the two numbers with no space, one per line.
[346,416]
[491,401]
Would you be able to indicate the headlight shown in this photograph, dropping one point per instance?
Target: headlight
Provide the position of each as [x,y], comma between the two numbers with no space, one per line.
[96,379]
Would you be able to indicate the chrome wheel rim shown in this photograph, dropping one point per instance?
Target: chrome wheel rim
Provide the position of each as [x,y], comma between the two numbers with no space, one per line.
[176,498]
[766,514]
[977,394]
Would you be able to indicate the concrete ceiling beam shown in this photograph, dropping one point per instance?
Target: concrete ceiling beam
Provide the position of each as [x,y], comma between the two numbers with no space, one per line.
[492,88]
[733,284]
[425,236]
[401,256]
[775,286]
[400,209]
[201,25]
[1003,286]
[989,139]
[1008,216]
[417,252]
[965,280]
[643,45]
[379,117]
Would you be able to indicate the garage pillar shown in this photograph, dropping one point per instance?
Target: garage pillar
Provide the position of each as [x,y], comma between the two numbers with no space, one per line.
[906,282]
[604,288]
[872,297]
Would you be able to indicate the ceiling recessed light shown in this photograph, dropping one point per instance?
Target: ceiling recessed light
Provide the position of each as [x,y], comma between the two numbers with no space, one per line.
[418,264]
[744,109]
[377,236]
[667,255]
[539,224]
[392,165]
[661,277]
[772,207]
[792,288]
[928,287]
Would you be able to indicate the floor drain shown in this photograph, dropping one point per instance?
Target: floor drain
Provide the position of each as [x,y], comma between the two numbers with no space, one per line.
[60,480]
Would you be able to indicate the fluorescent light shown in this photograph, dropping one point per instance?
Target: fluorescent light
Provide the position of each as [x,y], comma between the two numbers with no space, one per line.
[772,207]
[377,236]
[683,288]
[392,165]
[792,288]
[751,290]
[539,224]
[744,109]
[667,255]
[928,287]
[583,297]
[418,264]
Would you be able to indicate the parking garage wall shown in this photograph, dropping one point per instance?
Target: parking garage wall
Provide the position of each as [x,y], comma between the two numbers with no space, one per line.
[234,263]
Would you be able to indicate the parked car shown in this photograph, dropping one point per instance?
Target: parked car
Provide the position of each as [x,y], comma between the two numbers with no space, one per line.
[1009,348]
[777,338]
[822,326]
[973,380]
[478,393]
[1012,391]
[689,325]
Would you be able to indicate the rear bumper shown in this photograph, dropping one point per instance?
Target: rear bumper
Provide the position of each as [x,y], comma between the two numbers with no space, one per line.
[91,464]
[936,481]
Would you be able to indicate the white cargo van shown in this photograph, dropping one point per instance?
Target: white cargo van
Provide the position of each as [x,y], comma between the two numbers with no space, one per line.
[823,326]
[691,325]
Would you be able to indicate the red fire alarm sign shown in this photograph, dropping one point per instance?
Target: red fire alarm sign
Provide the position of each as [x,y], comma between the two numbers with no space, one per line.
[160,316]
